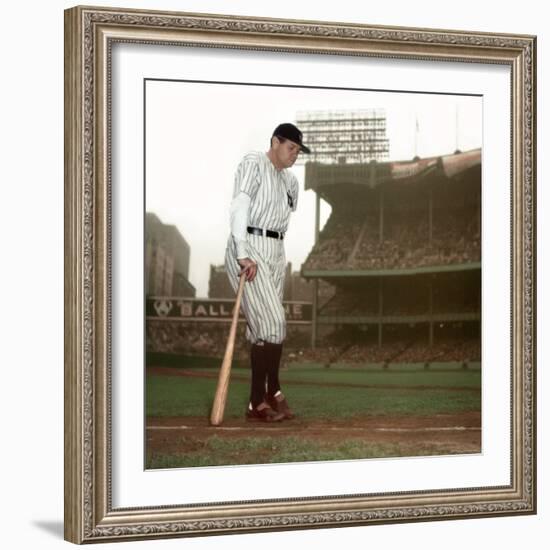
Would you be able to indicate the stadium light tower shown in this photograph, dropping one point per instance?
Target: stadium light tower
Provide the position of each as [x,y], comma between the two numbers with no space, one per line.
[344,137]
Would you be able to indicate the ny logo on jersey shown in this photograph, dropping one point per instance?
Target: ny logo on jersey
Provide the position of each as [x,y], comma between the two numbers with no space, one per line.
[290,201]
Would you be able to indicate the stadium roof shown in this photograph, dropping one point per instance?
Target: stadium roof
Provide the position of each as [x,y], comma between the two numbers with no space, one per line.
[375,173]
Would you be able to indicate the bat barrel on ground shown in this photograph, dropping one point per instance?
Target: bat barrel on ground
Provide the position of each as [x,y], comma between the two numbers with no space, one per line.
[220,398]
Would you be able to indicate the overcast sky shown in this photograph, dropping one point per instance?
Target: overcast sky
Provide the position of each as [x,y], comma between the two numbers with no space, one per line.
[196,134]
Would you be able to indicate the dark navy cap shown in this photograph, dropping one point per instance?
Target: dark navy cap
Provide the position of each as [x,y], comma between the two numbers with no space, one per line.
[289,131]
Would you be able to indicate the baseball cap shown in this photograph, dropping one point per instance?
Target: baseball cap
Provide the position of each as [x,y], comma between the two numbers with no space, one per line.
[289,131]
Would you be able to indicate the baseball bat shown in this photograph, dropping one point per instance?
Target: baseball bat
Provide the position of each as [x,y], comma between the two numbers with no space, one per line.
[218,408]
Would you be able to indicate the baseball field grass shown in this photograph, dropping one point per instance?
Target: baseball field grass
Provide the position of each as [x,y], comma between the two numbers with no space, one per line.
[192,396]
[219,451]
[342,413]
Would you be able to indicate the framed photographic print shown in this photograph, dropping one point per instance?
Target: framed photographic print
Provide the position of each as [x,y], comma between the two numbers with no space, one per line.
[388,301]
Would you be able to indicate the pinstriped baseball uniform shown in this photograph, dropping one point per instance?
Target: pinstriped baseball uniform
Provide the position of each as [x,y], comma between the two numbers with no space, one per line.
[273,196]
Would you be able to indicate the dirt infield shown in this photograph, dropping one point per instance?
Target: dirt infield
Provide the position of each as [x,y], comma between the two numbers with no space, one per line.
[414,435]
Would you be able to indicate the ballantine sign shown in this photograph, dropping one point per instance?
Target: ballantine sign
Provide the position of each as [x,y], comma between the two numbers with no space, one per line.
[189,309]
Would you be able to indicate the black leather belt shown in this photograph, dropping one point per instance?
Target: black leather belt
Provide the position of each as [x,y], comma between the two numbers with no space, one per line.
[266,232]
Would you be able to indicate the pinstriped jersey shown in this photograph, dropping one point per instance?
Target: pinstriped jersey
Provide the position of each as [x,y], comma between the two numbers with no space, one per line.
[273,193]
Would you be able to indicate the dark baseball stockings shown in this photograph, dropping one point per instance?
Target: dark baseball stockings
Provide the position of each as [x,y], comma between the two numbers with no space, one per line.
[273,354]
[259,373]
[265,359]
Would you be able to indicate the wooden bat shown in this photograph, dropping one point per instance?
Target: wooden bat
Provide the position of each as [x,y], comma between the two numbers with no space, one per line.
[218,408]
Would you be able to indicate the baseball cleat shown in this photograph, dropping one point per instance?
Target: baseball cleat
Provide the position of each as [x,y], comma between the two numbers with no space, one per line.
[263,413]
[280,404]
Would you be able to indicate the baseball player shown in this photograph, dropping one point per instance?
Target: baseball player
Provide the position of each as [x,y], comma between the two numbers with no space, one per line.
[264,195]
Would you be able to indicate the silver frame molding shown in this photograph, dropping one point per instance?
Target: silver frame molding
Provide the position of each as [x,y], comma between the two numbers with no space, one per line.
[89,34]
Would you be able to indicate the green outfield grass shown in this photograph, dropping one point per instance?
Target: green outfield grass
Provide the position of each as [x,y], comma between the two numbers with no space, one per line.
[448,379]
[388,392]
[196,362]
[395,375]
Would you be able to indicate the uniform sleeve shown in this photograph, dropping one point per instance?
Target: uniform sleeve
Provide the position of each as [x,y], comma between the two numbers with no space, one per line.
[294,192]
[239,222]
[247,178]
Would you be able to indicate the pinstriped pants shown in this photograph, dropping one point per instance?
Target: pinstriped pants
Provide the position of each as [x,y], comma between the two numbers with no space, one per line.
[262,301]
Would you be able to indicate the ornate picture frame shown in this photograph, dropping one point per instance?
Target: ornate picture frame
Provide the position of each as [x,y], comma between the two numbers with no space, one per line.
[90,34]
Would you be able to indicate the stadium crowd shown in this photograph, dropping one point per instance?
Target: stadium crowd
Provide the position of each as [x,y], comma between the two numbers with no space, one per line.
[336,241]
[450,294]
[345,345]
[188,338]
[353,242]
[394,352]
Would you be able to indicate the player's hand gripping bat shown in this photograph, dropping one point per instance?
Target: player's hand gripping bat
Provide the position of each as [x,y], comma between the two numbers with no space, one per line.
[218,408]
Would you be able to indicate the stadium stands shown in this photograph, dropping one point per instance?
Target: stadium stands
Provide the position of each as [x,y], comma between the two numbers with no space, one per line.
[406,242]
[402,249]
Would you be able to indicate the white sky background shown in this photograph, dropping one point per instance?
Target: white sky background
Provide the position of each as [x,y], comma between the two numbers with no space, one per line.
[197,133]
